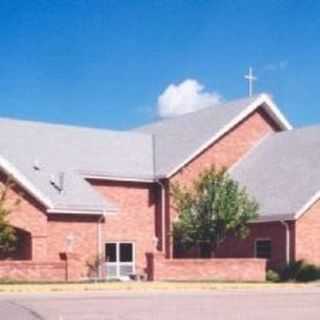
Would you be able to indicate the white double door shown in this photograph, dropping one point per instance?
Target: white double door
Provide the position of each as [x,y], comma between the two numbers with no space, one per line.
[120,259]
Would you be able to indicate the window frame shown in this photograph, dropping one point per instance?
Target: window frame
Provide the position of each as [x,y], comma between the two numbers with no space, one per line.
[118,263]
[256,247]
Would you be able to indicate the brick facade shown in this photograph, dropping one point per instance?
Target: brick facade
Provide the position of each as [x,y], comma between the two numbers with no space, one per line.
[206,269]
[33,271]
[83,232]
[30,217]
[273,231]
[307,235]
[136,219]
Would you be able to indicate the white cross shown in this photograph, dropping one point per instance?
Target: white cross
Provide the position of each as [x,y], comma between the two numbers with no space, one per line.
[251,78]
[69,242]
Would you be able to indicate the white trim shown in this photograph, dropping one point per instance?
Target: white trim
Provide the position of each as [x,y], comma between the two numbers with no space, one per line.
[93,212]
[308,205]
[262,99]
[255,246]
[23,181]
[114,178]
[275,111]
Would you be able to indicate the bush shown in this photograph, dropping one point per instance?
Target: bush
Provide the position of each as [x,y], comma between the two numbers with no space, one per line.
[273,276]
[290,271]
[300,271]
[309,272]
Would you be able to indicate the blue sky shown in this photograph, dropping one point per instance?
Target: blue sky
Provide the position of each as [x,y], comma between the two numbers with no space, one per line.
[105,63]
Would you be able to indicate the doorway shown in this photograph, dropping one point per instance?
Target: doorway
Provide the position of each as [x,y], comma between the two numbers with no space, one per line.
[120,259]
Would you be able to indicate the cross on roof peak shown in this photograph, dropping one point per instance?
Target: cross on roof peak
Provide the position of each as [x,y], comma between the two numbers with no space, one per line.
[251,78]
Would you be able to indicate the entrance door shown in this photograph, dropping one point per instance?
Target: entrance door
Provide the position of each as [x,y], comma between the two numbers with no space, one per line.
[119,259]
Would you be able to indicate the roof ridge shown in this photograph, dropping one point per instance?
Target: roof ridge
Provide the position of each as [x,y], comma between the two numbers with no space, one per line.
[70,126]
[169,119]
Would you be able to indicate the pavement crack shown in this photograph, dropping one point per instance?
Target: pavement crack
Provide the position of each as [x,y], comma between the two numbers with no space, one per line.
[32,312]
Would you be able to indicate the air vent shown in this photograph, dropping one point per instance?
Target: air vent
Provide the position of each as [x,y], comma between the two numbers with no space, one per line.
[36,165]
[58,182]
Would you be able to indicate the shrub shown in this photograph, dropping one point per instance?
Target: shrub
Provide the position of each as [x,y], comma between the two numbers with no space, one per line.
[93,265]
[291,270]
[273,276]
[308,272]
[300,271]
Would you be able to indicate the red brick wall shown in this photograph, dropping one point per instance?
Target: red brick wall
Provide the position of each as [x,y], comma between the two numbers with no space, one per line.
[245,248]
[48,233]
[83,229]
[308,235]
[207,269]
[136,219]
[32,271]
[31,217]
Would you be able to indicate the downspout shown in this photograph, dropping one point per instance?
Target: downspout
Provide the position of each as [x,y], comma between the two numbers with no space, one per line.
[99,243]
[163,196]
[163,214]
[287,228]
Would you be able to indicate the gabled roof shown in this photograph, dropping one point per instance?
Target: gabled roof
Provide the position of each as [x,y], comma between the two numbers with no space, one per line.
[178,140]
[283,173]
[144,154]
[78,153]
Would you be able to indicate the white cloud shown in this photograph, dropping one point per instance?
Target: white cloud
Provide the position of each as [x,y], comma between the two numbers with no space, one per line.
[185,97]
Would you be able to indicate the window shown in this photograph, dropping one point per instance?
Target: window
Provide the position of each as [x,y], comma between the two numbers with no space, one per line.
[111,252]
[126,252]
[263,249]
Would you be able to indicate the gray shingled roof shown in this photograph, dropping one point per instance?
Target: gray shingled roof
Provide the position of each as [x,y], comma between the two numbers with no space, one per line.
[283,172]
[71,150]
[178,138]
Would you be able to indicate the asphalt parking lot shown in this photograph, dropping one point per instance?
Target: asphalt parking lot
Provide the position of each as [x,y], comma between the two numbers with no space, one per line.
[257,304]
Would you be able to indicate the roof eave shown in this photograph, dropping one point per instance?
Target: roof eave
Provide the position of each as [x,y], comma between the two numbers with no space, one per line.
[275,113]
[273,218]
[101,176]
[307,205]
[80,211]
[19,178]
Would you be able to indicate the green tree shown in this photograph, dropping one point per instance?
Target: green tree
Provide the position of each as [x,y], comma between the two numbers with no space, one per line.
[213,207]
[7,232]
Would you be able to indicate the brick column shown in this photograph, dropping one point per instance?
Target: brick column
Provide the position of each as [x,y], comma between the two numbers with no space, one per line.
[73,268]
[39,248]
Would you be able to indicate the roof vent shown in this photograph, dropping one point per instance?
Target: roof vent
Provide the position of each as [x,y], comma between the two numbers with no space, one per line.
[61,181]
[36,165]
[58,183]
